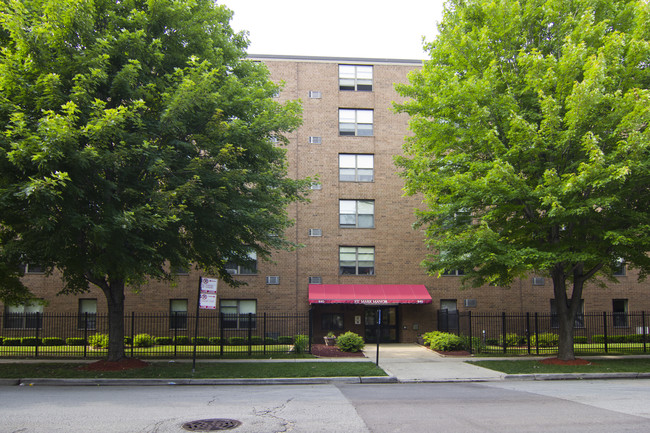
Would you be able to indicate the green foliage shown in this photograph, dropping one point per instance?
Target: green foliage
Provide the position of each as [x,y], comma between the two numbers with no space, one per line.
[216,341]
[75,341]
[201,341]
[12,342]
[125,129]
[633,338]
[270,340]
[163,341]
[475,344]
[143,340]
[98,340]
[350,342]
[444,341]
[300,343]
[580,340]
[52,341]
[237,341]
[30,341]
[128,341]
[285,339]
[1,340]
[256,339]
[182,340]
[513,340]
[546,339]
[530,143]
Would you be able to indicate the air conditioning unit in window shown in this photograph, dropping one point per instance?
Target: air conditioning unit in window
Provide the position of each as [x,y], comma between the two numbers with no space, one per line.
[315,232]
[315,140]
[315,280]
[538,281]
[470,303]
[314,94]
[273,280]
[316,185]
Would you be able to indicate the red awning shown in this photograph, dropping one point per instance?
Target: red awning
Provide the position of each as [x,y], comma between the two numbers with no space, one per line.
[368,294]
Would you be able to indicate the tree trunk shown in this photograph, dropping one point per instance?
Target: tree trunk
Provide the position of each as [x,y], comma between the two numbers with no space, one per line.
[115,297]
[564,316]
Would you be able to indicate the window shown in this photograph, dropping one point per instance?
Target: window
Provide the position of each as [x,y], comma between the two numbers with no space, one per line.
[315,280]
[331,322]
[316,185]
[619,268]
[357,213]
[178,314]
[355,77]
[238,313]
[454,272]
[356,260]
[250,268]
[580,317]
[315,232]
[619,308]
[538,281]
[356,168]
[273,279]
[24,316]
[314,94]
[355,122]
[315,140]
[32,268]
[87,314]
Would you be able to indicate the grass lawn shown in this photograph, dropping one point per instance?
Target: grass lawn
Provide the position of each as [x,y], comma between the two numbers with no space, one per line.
[204,370]
[628,365]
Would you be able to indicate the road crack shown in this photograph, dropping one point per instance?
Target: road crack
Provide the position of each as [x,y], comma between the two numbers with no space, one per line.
[286,424]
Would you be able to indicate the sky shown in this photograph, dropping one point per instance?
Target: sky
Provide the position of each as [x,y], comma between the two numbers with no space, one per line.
[337,28]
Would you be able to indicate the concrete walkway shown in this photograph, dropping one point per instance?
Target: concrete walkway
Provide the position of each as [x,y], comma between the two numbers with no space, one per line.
[415,363]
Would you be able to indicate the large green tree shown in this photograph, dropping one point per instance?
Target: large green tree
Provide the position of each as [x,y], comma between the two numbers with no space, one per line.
[135,139]
[530,143]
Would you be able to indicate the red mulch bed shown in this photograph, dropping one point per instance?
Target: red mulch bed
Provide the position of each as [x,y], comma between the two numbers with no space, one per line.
[454,353]
[323,351]
[123,364]
[556,361]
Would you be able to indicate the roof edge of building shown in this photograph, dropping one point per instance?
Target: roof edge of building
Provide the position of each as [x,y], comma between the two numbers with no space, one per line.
[282,57]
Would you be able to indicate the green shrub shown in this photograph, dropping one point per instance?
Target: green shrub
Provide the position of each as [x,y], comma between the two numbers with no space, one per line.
[2,339]
[12,342]
[513,340]
[75,341]
[350,342]
[492,341]
[474,345]
[201,341]
[270,340]
[301,342]
[215,341]
[580,340]
[163,341]
[128,341]
[546,339]
[53,341]
[98,340]
[428,336]
[143,340]
[237,341]
[285,339]
[182,340]
[445,342]
[30,341]
[256,340]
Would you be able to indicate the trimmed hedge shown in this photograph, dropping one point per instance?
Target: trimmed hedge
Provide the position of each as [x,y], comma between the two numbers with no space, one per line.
[350,342]
[30,341]
[215,341]
[75,341]
[546,339]
[443,341]
[201,341]
[53,341]
[237,341]
[98,340]
[163,341]
[633,338]
[143,340]
[182,340]
[285,339]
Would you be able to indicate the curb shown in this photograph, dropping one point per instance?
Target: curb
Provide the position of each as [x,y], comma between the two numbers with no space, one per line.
[576,376]
[196,382]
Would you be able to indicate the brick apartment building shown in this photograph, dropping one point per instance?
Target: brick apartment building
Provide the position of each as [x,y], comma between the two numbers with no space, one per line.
[361,254]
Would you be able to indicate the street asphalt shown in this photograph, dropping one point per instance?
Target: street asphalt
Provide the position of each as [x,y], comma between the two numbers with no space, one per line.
[404,363]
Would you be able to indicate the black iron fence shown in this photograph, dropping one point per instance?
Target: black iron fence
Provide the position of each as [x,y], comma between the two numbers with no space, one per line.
[535,333]
[154,335]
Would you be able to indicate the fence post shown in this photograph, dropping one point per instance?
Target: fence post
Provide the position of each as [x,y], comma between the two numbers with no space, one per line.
[132,332]
[469,326]
[503,331]
[176,331]
[221,336]
[250,333]
[528,330]
[605,329]
[644,333]
[38,322]
[86,333]
[536,334]
[264,331]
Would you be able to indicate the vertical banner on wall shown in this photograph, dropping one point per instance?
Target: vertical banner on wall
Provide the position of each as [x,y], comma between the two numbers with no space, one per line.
[207,300]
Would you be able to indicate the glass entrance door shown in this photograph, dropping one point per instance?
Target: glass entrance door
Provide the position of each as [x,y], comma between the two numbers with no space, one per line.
[389,332]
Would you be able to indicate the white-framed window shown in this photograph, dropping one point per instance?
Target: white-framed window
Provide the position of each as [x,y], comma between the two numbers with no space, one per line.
[356,167]
[316,185]
[249,268]
[355,77]
[357,213]
[453,273]
[32,268]
[315,94]
[356,260]
[29,316]
[178,314]
[315,140]
[238,313]
[358,122]
[272,279]
[315,232]
[87,314]
[619,269]
[619,309]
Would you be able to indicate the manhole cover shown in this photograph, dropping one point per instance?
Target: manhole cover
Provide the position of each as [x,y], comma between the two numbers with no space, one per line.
[211,424]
